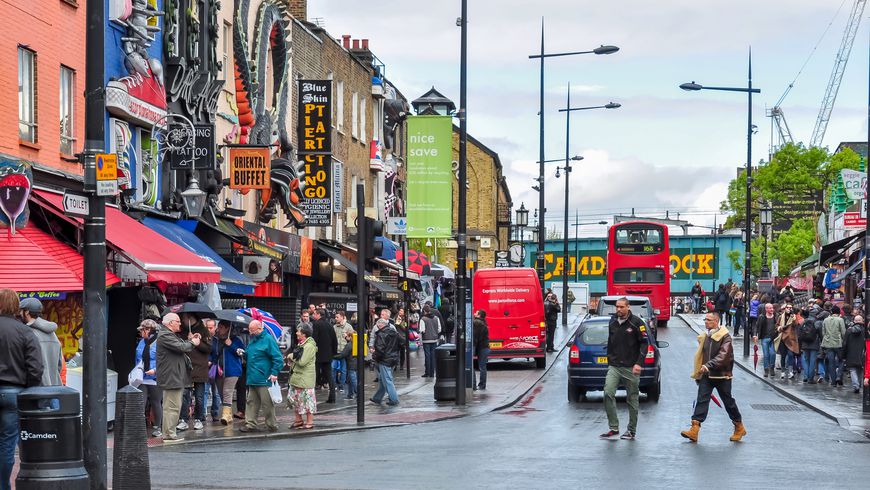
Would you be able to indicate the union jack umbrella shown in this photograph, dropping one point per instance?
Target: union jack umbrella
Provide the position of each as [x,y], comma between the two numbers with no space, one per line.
[270,324]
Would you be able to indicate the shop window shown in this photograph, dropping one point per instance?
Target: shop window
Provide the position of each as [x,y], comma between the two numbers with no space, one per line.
[27,95]
[67,110]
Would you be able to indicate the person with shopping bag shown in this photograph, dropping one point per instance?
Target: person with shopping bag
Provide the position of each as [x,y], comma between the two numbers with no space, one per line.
[264,361]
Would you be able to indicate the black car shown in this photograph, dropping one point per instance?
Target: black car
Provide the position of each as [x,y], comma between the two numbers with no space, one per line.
[587,361]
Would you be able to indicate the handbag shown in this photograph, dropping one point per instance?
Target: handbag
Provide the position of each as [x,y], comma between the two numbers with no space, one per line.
[275,393]
[136,376]
[215,372]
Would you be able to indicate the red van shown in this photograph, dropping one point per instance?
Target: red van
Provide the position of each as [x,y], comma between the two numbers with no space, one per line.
[514,306]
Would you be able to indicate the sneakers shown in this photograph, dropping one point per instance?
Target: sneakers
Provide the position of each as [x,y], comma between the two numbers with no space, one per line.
[172,440]
[627,436]
[393,404]
[182,425]
[609,434]
[197,425]
[157,432]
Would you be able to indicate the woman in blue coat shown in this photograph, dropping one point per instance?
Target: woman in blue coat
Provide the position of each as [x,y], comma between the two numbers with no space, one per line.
[148,359]
[229,361]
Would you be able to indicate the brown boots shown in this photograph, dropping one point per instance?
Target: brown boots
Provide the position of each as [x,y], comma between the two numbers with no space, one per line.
[739,432]
[226,415]
[692,433]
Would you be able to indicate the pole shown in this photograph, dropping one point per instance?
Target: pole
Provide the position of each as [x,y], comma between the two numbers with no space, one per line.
[715,252]
[748,252]
[866,393]
[542,233]
[577,245]
[565,220]
[362,303]
[94,423]
[407,307]
[461,226]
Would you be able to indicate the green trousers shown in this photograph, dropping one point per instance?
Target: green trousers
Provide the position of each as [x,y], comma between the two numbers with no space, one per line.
[615,376]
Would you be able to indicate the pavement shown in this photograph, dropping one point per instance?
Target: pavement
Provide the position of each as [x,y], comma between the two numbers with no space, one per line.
[839,404]
[507,382]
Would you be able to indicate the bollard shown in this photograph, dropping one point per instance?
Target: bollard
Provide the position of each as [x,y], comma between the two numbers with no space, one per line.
[130,469]
[50,442]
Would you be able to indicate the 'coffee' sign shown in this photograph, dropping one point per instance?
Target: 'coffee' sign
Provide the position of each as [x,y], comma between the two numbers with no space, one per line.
[249,167]
[315,149]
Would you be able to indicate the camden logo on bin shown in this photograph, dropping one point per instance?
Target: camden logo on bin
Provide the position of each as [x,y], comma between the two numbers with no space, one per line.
[25,435]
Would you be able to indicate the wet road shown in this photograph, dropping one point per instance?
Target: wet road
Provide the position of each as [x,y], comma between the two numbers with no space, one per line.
[546,442]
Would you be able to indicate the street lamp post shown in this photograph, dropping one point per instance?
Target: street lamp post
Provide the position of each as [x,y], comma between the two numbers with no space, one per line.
[522,222]
[577,226]
[567,168]
[542,234]
[748,229]
[764,215]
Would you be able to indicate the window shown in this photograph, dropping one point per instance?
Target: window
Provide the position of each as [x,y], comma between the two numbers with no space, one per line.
[639,276]
[26,95]
[595,333]
[67,108]
[226,41]
[362,120]
[639,239]
[329,76]
[339,101]
[354,115]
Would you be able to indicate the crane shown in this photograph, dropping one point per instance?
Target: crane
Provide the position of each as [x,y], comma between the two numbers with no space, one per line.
[837,73]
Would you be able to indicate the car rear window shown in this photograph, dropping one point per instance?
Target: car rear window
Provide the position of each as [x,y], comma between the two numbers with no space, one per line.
[638,308]
[594,334]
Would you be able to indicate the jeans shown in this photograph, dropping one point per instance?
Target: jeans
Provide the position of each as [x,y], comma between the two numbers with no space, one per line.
[213,394]
[790,361]
[385,385]
[199,402]
[738,321]
[769,353]
[854,373]
[696,305]
[8,432]
[832,365]
[351,383]
[615,375]
[810,358]
[705,391]
[482,356]
[339,370]
[429,361]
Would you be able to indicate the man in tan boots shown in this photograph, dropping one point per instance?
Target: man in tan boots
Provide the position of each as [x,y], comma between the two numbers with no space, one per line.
[714,362]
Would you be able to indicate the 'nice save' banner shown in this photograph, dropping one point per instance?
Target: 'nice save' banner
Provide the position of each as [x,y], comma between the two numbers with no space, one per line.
[430,185]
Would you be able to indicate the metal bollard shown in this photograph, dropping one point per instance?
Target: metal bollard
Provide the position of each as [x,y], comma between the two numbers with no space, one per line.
[130,469]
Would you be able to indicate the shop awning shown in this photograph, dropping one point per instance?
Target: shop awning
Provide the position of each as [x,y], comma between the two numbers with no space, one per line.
[808,263]
[336,255]
[32,260]
[225,227]
[232,281]
[833,250]
[397,267]
[387,292]
[849,270]
[159,258]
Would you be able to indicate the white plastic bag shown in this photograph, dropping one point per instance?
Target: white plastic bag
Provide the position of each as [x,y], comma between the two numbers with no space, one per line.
[275,393]
[136,376]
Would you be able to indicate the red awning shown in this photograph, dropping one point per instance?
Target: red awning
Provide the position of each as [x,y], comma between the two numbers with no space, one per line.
[32,260]
[158,257]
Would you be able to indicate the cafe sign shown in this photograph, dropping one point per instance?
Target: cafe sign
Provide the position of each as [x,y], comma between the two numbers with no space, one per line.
[315,150]
[249,167]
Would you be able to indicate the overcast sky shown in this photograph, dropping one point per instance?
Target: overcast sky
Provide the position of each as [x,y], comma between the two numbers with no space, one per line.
[665,149]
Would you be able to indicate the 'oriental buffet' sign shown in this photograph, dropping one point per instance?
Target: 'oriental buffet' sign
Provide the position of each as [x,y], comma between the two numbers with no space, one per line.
[249,167]
[698,263]
[315,149]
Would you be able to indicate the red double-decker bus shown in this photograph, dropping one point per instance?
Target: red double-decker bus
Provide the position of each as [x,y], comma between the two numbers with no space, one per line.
[638,263]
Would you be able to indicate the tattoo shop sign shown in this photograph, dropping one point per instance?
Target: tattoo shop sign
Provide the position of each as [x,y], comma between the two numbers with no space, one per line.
[188,151]
[315,149]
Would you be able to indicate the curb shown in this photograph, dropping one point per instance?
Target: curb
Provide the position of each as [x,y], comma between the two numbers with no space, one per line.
[842,422]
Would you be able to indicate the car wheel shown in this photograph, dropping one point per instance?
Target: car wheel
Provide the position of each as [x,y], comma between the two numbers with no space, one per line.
[540,362]
[575,393]
[654,392]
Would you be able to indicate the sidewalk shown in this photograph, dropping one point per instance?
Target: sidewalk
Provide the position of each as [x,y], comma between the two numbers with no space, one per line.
[507,382]
[838,404]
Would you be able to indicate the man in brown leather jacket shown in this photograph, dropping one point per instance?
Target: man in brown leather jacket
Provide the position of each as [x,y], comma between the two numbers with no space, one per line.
[714,362]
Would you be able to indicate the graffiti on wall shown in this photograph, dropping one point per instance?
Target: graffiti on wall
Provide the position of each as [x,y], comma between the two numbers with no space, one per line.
[69,316]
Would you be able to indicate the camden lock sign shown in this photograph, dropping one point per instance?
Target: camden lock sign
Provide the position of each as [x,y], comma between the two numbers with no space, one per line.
[315,149]
[698,263]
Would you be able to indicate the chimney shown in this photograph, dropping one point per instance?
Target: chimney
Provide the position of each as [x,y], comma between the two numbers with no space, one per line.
[298,9]
[356,44]
[365,44]
[345,41]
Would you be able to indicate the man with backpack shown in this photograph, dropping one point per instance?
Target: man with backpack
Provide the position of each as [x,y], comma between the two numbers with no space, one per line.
[810,338]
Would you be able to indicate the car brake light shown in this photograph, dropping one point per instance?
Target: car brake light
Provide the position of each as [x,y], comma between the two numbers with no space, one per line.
[650,355]
[574,355]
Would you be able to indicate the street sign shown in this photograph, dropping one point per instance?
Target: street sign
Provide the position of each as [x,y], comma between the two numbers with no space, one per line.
[76,204]
[107,167]
[854,221]
[107,188]
[774,268]
[501,258]
[397,225]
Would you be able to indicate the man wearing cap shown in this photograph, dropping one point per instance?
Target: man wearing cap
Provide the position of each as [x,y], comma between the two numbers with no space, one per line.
[52,354]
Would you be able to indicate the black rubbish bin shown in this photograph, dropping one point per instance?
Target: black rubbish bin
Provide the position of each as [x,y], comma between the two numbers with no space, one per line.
[445,372]
[50,443]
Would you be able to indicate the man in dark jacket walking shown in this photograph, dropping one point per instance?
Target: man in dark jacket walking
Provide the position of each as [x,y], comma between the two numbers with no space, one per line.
[327,347]
[480,335]
[385,353]
[20,367]
[722,300]
[173,368]
[430,329]
[853,351]
[551,314]
[714,363]
[627,343]
[765,329]
[810,338]
[199,376]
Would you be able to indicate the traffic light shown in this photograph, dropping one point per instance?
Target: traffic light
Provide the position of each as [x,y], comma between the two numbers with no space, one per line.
[373,229]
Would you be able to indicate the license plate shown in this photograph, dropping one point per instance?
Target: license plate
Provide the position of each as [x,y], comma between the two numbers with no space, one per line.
[601,360]
[495,345]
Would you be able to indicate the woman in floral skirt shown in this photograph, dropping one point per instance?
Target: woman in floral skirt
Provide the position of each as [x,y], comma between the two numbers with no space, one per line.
[302,397]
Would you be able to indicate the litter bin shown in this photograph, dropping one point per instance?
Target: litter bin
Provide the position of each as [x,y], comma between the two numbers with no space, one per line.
[445,372]
[50,443]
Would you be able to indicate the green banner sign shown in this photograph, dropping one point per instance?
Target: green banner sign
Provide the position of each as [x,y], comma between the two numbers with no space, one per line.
[430,177]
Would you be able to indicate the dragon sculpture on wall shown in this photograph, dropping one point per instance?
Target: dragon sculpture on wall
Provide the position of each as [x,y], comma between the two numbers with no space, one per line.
[262,119]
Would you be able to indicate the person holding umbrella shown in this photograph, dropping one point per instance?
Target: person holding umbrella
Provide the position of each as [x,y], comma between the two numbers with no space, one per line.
[714,363]
[227,353]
